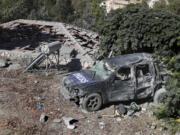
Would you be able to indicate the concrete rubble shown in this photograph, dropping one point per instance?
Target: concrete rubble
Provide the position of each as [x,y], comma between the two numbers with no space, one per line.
[23,38]
[3,63]
[57,120]
[68,121]
[14,67]
[101,125]
[43,118]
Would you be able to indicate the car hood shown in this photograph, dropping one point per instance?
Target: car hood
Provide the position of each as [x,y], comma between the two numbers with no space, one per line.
[82,77]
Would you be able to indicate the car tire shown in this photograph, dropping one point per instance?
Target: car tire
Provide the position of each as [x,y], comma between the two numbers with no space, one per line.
[92,102]
[157,95]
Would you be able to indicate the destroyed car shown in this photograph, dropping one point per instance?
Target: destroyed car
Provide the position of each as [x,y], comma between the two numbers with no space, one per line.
[128,77]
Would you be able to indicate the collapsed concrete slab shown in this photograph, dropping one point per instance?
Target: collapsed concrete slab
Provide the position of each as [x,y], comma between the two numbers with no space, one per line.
[23,38]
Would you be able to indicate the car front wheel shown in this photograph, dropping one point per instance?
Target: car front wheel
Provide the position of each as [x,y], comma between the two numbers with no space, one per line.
[92,102]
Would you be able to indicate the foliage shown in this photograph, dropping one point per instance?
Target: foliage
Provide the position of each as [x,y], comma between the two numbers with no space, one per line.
[20,9]
[89,14]
[160,5]
[173,6]
[55,10]
[139,29]
[172,102]
[63,11]
[83,13]
[97,13]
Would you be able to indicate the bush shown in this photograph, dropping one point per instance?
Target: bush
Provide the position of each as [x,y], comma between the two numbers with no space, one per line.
[173,6]
[139,29]
[20,9]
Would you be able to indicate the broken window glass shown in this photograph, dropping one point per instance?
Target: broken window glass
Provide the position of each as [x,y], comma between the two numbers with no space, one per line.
[102,70]
[124,73]
[142,70]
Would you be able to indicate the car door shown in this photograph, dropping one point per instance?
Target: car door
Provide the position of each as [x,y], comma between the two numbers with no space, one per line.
[122,86]
[144,80]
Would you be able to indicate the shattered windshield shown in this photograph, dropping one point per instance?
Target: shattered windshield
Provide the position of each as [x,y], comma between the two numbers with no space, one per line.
[102,69]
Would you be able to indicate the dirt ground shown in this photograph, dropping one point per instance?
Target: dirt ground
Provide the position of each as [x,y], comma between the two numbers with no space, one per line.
[20,94]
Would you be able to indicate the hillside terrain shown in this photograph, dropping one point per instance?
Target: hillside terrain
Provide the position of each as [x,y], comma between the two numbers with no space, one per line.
[19,112]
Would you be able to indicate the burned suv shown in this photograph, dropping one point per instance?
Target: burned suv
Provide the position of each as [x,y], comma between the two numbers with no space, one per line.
[122,78]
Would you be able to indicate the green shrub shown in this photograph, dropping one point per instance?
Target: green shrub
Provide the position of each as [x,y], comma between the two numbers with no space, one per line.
[139,29]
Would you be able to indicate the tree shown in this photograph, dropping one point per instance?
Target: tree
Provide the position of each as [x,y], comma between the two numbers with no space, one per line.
[173,6]
[160,5]
[98,13]
[19,10]
[63,11]
[88,14]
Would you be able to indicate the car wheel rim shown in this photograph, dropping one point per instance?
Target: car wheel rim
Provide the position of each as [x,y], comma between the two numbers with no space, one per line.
[93,103]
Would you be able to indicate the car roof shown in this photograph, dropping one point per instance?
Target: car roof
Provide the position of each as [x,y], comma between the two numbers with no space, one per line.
[128,59]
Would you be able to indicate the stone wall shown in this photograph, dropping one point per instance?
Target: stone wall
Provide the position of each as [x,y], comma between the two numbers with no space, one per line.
[115,4]
[25,57]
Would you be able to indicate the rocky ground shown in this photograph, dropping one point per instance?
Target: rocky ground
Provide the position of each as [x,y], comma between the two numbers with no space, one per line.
[25,97]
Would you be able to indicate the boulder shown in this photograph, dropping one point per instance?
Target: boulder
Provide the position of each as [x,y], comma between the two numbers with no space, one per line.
[14,67]
[3,63]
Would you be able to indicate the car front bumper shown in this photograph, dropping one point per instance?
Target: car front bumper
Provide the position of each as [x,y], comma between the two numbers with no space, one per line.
[65,93]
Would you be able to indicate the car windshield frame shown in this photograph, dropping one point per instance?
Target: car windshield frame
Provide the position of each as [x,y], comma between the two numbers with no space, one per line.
[101,70]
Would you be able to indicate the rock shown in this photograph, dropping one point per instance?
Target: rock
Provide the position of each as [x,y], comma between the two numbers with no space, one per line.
[138,133]
[137,114]
[84,111]
[177,133]
[69,122]
[126,117]
[88,121]
[150,113]
[3,63]
[57,120]
[118,119]
[145,105]
[99,116]
[94,36]
[143,109]
[153,125]
[43,118]
[36,81]
[38,98]
[152,104]
[101,125]
[130,112]
[14,67]
[82,33]
[160,129]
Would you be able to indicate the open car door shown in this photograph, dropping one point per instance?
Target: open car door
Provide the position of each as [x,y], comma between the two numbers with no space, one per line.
[122,87]
[144,81]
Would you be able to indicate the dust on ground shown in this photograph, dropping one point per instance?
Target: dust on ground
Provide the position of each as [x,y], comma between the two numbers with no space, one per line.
[20,94]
